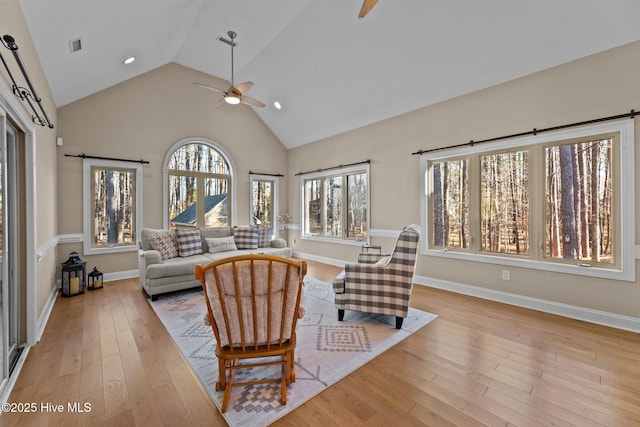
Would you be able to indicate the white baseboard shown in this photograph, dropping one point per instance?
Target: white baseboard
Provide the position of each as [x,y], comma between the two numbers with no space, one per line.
[46,312]
[324,260]
[121,275]
[573,312]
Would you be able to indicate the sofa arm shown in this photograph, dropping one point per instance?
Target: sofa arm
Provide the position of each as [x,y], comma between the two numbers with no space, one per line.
[149,257]
[278,243]
[146,258]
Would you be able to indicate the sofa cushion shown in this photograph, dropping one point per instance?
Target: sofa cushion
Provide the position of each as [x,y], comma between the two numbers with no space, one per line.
[165,243]
[246,237]
[221,244]
[176,267]
[189,242]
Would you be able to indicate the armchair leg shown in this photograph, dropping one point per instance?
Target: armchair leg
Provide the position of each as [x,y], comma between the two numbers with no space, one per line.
[399,322]
[340,314]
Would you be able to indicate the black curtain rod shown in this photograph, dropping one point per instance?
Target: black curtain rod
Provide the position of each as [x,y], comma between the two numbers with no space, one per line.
[84,156]
[535,131]
[21,92]
[334,167]
[266,174]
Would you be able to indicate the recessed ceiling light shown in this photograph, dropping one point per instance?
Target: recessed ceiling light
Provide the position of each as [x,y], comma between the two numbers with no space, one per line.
[277,105]
[129,60]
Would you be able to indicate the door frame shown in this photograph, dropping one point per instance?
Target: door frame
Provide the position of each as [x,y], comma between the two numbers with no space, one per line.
[22,122]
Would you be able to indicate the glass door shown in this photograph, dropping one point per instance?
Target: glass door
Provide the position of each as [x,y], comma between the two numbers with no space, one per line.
[9,292]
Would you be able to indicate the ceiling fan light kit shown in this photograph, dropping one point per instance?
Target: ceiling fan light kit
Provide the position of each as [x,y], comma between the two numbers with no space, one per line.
[235,94]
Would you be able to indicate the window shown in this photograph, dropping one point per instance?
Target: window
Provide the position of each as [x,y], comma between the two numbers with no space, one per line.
[336,205]
[559,201]
[112,195]
[264,196]
[198,186]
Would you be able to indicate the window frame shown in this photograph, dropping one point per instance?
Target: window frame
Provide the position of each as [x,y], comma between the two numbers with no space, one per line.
[87,211]
[274,182]
[343,172]
[231,205]
[623,180]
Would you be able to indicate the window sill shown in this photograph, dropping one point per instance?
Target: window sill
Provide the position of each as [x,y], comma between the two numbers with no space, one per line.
[109,250]
[627,274]
[334,240]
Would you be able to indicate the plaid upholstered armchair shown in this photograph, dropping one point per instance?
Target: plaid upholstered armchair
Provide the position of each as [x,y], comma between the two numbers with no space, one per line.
[380,283]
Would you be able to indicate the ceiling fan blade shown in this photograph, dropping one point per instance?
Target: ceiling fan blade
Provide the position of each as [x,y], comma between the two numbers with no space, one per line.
[366,7]
[220,103]
[243,87]
[209,87]
[250,101]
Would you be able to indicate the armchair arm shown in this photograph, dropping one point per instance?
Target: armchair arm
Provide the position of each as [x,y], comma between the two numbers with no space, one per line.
[370,258]
[375,278]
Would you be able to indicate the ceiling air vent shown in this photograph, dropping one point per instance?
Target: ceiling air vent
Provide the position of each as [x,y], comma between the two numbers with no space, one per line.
[75,45]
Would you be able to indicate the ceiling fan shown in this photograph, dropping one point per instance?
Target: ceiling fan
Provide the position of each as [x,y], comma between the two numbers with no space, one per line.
[366,7]
[235,94]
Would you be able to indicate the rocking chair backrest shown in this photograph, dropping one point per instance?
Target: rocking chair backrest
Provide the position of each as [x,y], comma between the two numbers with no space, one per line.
[253,300]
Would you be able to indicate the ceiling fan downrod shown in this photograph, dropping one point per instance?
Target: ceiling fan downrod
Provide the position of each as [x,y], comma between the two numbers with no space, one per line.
[232,35]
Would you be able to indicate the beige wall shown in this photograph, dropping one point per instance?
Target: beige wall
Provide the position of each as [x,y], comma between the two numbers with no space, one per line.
[12,22]
[600,85]
[143,118]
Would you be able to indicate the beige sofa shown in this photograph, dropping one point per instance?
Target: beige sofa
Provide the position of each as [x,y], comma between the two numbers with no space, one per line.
[174,273]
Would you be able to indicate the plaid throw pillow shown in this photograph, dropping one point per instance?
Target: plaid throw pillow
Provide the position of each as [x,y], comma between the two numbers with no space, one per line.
[246,237]
[165,243]
[189,242]
[265,236]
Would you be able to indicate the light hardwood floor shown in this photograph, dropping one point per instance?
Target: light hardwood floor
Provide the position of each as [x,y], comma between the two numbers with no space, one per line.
[479,363]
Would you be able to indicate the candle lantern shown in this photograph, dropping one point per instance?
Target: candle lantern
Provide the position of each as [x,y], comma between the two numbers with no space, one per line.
[94,279]
[73,275]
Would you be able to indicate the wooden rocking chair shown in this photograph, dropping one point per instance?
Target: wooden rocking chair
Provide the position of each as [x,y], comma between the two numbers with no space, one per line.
[254,304]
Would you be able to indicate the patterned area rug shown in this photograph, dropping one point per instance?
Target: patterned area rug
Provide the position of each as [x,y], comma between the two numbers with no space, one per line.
[327,350]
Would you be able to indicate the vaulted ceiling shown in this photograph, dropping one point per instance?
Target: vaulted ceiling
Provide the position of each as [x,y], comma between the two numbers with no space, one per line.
[331,71]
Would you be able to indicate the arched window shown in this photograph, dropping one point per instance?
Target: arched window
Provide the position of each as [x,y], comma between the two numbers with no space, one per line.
[199,185]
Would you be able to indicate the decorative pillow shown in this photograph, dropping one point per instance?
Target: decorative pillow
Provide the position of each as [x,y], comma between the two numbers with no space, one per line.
[189,242]
[221,244]
[165,243]
[265,235]
[246,237]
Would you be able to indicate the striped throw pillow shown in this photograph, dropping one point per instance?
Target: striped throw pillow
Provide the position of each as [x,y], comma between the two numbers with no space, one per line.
[189,242]
[246,237]
[265,236]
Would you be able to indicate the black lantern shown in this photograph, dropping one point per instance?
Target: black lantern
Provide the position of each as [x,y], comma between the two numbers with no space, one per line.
[94,279]
[73,275]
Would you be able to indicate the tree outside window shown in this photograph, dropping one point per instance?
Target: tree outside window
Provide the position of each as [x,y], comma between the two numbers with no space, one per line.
[198,188]
[335,205]
[114,191]
[554,202]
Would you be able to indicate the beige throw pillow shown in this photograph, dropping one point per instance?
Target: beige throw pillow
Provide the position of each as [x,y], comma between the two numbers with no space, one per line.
[221,244]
